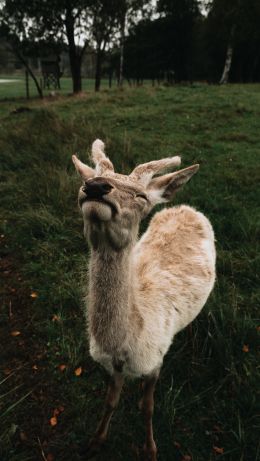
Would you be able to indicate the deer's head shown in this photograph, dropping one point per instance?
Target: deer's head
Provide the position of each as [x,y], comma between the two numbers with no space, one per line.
[113,204]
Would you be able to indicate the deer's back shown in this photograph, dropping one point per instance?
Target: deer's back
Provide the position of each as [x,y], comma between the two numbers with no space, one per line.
[175,272]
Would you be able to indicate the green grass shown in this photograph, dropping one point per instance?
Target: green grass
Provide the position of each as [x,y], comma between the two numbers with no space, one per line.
[206,396]
[15,88]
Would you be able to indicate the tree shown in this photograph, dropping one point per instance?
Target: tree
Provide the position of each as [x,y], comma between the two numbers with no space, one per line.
[228,60]
[128,11]
[104,26]
[146,55]
[75,15]
[54,21]
[233,35]
[181,17]
[67,20]
[163,47]
[77,23]
[18,37]
[91,21]
[225,14]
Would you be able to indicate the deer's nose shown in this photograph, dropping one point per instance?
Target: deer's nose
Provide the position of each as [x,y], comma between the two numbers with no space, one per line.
[96,189]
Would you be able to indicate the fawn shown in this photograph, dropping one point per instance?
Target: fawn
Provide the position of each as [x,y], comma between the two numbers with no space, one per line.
[141,292]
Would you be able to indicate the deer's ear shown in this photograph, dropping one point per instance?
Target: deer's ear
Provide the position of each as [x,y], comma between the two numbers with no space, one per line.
[85,171]
[163,188]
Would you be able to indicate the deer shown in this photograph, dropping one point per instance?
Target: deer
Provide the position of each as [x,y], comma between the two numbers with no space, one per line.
[141,291]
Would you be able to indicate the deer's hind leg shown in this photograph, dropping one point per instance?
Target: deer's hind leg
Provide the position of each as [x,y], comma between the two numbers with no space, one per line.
[112,399]
[147,407]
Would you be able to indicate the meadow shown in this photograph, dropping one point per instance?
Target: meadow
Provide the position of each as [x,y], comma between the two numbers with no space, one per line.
[13,86]
[51,392]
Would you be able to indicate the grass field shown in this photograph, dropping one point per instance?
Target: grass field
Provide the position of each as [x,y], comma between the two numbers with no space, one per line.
[206,397]
[15,86]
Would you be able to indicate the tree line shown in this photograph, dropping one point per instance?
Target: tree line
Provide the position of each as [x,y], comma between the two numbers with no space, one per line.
[183,44]
[170,40]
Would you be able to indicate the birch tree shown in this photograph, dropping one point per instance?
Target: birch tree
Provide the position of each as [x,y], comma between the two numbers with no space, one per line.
[228,61]
[235,25]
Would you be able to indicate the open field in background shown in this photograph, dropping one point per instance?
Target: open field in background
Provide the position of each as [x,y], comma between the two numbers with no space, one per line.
[206,397]
[15,86]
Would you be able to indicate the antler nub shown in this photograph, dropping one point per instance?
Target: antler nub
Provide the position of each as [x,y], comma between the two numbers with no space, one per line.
[84,170]
[99,158]
[97,151]
[144,172]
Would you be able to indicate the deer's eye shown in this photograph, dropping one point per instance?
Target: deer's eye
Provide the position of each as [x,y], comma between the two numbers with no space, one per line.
[140,195]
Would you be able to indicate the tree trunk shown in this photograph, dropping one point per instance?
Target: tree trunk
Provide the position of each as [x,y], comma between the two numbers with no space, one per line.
[28,69]
[76,74]
[74,56]
[122,42]
[227,66]
[98,70]
[225,75]
[110,77]
[27,84]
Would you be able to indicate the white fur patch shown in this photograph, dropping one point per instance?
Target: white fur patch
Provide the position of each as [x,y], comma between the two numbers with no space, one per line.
[97,210]
[155,196]
[98,146]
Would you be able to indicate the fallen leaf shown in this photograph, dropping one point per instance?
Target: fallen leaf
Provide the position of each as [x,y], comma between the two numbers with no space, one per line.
[245,348]
[62,367]
[78,371]
[34,367]
[15,333]
[55,318]
[53,421]
[186,458]
[61,408]
[258,328]
[218,450]
[56,412]
[34,295]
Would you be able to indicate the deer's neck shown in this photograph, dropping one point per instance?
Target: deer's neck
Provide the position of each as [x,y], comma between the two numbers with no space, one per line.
[110,297]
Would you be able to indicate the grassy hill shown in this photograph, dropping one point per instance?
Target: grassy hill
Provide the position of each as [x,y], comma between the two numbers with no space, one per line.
[206,397]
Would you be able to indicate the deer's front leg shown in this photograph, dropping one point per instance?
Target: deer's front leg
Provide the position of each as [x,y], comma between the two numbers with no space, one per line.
[112,399]
[147,407]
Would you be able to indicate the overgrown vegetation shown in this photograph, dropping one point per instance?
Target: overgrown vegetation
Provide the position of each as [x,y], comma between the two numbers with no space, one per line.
[206,397]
